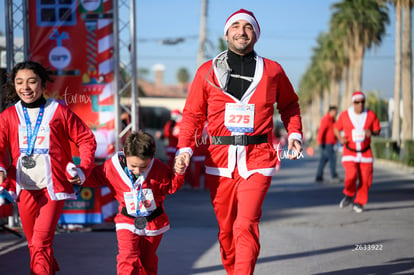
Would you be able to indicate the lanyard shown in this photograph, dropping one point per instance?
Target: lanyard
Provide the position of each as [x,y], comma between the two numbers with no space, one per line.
[32,135]
[139,188]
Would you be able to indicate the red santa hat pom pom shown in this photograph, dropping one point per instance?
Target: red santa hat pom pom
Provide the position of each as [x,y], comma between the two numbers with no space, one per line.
[358,96]
[243,14]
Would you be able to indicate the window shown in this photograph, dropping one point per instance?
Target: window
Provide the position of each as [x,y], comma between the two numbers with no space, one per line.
[56,13]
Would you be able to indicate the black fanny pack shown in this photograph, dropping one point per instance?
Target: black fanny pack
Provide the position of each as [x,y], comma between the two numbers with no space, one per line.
[157,212]
[238,140]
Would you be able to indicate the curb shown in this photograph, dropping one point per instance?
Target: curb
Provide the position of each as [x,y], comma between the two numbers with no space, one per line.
[391,165]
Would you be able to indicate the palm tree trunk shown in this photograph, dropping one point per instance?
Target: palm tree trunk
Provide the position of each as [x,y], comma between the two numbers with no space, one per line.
[316,113]
[397,76]
[334,92]
[308,127]
[326,100]
[357,70]
[345,89]
[406,76]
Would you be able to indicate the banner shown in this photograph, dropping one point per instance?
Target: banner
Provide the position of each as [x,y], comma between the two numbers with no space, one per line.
[74,38]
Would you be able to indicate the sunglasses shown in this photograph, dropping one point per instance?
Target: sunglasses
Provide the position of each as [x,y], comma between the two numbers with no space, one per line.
[357,102]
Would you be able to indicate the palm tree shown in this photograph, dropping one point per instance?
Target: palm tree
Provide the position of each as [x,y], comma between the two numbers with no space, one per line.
[310,95]
[183,77]
[397,74]
[406,69]
[362,23]
[332,60]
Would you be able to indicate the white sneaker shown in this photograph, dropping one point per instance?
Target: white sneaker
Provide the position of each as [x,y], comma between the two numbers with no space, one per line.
[357,208]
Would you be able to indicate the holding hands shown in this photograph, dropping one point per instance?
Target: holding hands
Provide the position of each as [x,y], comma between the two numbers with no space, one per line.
[182,161]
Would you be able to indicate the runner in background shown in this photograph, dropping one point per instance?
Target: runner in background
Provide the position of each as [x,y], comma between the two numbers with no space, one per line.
[354,130]
[171,133]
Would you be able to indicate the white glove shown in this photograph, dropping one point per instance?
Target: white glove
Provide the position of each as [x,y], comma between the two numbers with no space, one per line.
[73,171]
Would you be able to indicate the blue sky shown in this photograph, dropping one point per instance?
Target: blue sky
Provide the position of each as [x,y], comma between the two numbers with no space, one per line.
[289,30]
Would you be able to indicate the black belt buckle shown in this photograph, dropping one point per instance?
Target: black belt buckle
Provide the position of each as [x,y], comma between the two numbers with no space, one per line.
[240,140]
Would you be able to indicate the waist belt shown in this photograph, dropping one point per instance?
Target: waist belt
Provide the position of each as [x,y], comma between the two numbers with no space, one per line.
[358,151]
[238,140]
[157,212]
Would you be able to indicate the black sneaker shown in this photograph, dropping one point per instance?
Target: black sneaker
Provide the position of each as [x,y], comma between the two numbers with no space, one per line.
[318,179]
[345,201]
[358,208]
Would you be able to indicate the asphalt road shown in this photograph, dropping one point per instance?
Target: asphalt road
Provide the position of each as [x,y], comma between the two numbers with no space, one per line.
[303,231]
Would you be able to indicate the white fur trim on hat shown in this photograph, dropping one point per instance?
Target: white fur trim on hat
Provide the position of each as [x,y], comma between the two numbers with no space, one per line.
[243,16]
[357,96]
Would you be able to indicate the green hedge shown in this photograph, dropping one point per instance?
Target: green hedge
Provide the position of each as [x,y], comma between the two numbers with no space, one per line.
[408,152]
[383,148]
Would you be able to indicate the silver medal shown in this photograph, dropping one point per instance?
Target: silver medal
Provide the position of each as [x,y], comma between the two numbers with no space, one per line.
[140,222]
[28,162]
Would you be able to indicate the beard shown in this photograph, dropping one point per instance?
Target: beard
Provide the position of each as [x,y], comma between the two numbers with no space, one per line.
[242,47]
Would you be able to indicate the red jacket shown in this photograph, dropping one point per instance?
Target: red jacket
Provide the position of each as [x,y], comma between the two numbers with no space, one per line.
[353,126]
[65,127]
[158,178]
[326,133]
[207,101]
[172,131]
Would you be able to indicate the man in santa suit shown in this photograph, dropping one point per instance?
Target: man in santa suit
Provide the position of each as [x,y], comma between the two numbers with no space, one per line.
[235,93]
[357,124]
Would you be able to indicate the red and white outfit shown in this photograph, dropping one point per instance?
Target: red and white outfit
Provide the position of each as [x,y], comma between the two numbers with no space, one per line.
[171,132]
[42,190]
[239,176]
[357,156]
[137,247]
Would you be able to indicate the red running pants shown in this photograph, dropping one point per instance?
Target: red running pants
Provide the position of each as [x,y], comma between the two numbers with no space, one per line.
[355,171]
[39,216]
[137,254]
[238,207]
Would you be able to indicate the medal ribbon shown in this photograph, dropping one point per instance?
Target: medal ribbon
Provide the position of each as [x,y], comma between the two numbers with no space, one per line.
[32,135]
[139,189]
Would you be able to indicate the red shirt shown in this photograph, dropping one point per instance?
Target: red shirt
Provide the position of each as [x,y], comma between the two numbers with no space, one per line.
[325,132]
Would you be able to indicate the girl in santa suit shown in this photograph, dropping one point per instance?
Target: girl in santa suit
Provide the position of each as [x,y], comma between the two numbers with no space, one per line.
[358,124]
[38,133]
[140,183]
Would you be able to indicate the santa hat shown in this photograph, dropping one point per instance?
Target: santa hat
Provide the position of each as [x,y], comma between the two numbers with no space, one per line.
[243,14]
[358,96]
[176,115]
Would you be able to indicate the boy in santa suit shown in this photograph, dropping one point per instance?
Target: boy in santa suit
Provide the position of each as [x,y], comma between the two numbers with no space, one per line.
[139,182]
[358,124]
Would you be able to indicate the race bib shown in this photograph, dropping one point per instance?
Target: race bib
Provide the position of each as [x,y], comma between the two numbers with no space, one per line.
[239,118]
[131,203]
[145,206]
[42,140]
[358,135]
[147,203]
